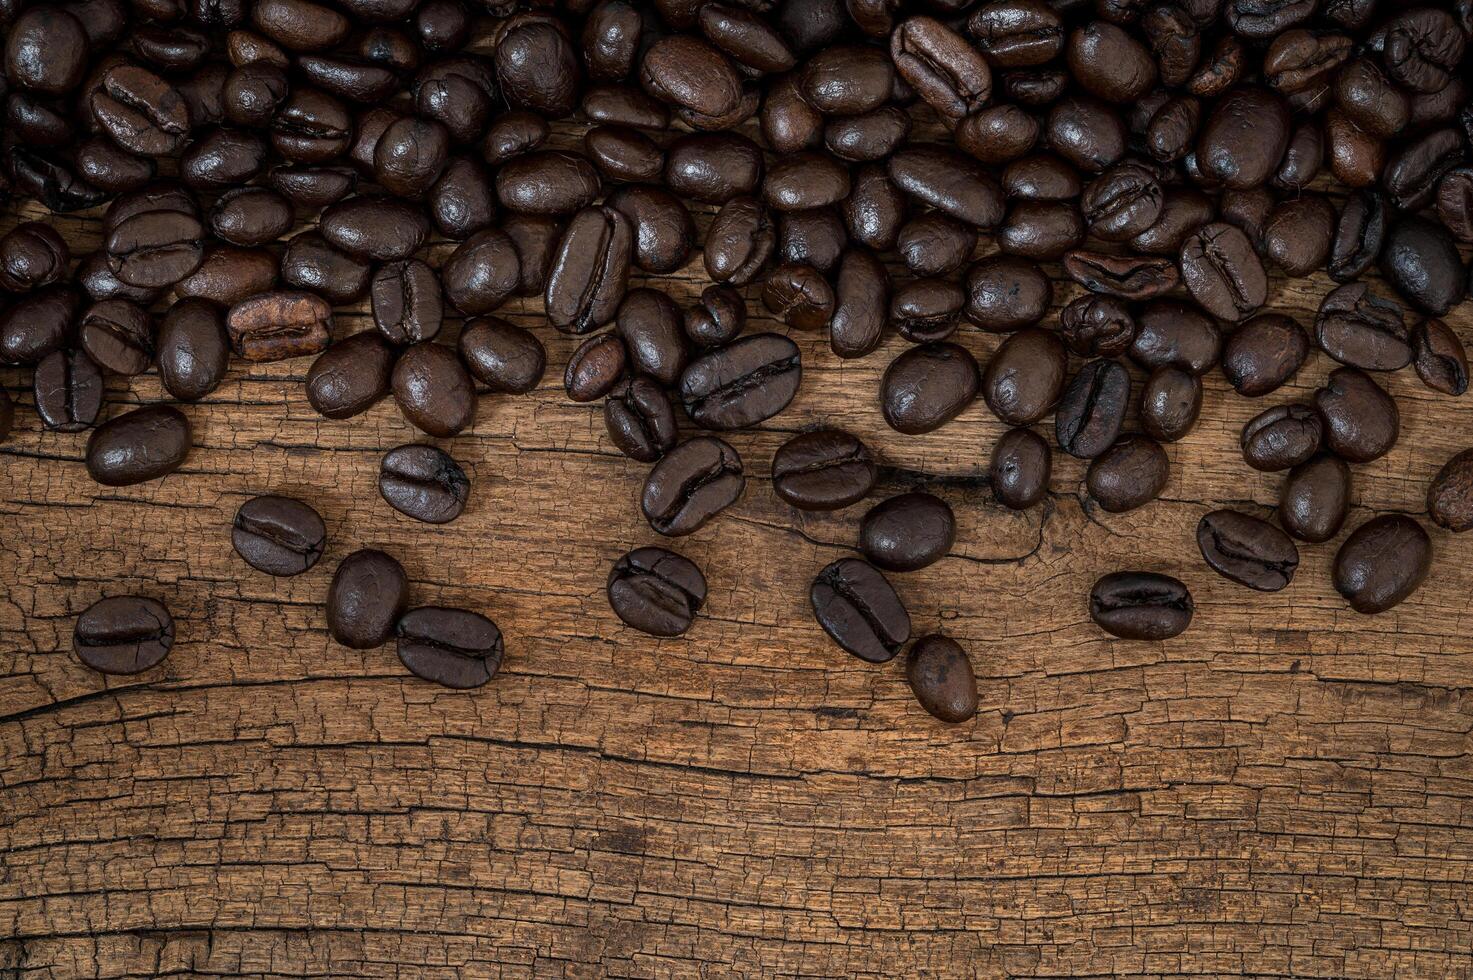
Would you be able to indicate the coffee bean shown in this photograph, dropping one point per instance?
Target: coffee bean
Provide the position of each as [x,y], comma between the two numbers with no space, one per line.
[154,249]
[32,255]
[1359,234]
[640,419]
[1092,409]
[140,445]
[1282,437]
[407,306]
[711,168]
[118,335]
[590,272]
[925,310]
[368,595]
[1439,357]
[1247,550]
[950,182]
[946,71]
[1141,605]
[739,242]
[816,238]
[451,647]
[859,610]
[482,272]
[123,634]
[861,303]
[687,72]
[942,679]
[424,483]
[1020,468]
[1170,403]
[656,591]
[1005,293]
[907,532]
[827,469]
[1129,474]
[1358,328]
[1382,562]
[1097,326]
[1223,273]
[1361,419]
[1124,277]
[1421,261]
[595,367]
[279,325]
[875,208]
[433,389]
[1025,377]
[1244,137]
[935,243]
[664,234]
[350,376]
[845,80]
[1315,498]
[1455,202]
[928,386]
[502,356]
[1175,334]
[278,535]
[693,483]
[718,318]
[799,295]
[1183,211]
[743,383]
[1450,496]
[871,136]
[68,391]
[1263,354]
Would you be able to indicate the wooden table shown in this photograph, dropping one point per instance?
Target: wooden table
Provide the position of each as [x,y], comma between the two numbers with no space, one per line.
[1286,789]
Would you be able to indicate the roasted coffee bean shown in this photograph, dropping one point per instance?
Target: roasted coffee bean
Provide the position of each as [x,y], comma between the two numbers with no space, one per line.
[875,208]
[617,105]
[1356,157]
[804,181]
[502,356]
[1263,354]
[311,188]
[1019,469]
[424,483]
[1129,474]
[718,318]
[1303,158]
[942,679]
[1298,234]
[350,376]
[1370,100]
[433,389]
[925,310]
[1223,272]
[1092,409]
[1172,333]
[1140,605]
[123,634]
[935,244]
[907,532]
[1247,550]
[312,264]
[1282,437]
[37,325]
[98,281]
[640,419]
[1411,176]
[407,306]
[375,227]
[278,535]
[452,647]
[154,249]
[535,238]
[1450,496]
[656,591]
[1248,210]
[1361,419]
[1455,202]
[1017,33]
[276,326]
[1097,326]
[845,80]
[590,271]
[1315,498]
[192,350]
[949,182]
[68,390]
[1439,357]
[462,200]
[1005,293]
[1041,229]
[688,73]
[251,216]
[118,335]
[827,469]
[799,295]
[368,595]
[739,242]
[928,386]
[32,255]
[998,134]
[482,272]
[1087,133]
[872,136]
[711,167]
[537,69]
[946,71]
[743,383]
[140,445]
[815,238]
[1041,178]
[1026,376]
[694,482]
[1122,202]
[651,325]
[1170,403]
[624,153]
[859,610]
[1122,276]
[1244,137]
[595,367]
[611,36]
[53,180]
[1359,234]
[861,304]
[664,232]
[1183,211]
[1358,328]
[1421,261]
[1382,562]
[228,275]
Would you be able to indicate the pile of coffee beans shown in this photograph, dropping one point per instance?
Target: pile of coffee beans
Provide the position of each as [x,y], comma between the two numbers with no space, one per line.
[261,163]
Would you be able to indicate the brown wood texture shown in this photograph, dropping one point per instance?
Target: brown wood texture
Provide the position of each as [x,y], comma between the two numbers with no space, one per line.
[1285,790]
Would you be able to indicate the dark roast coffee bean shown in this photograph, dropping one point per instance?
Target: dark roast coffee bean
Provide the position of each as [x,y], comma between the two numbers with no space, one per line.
[1129,474]
[275,326]
[872,136]
[1087,133]
[312,264]
[433,389]
[37,325]
[907,532]
[846,80]
[1020,468]
[663,230]
[350,376]
[424,483]
[804,181]
[1097,326]
[743,383]
[482,272]
[1170,403]
[624,153]
[815,238]
[68,390]
[451,647]
[1356,327]
[1298,234]
[375,227]
[1411,176]
[1042,177]
[950,182]
[153,249]
[118,335]
[861,304]
[311,188]
[278,535]
[1140,605]
[935,243]
[501,355]
[535,238]
[462,200]
[827,469]
[1421,261]
[875,208]
[859,610]
[1017,33]
[1041,229]
[799,295]
[1361,419]
[1383,562]
[32,255]
[998,134]
[140,445]
[1263,354]
[228,275]
[1244,137]
[612,105]
[1005,293]
[1450,496]
[251,216]
[193,349]
[942,679]
[611,36]
[711,167]
[686,72]
[945,70]
[1223,272]
[718,318]
[1092,409]
[1172,333]
[53,180]
[928,386]
[1359,234]
[1124,277]
[407,307]
[696,480]
[537,69]
[123,634]
[590,271]
[1455,202]
[1024,379]
[1183,211]
[1281,437]
[1122,202]
[739,242]
[369,593]
[652,328]
[1247,550]
[656,591]
[595,367]
[640,419]
[1314,499]
[1439,358]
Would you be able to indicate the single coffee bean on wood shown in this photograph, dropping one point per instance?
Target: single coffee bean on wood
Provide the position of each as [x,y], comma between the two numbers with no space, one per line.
[696,480]
[656,591]
[1141,605]
[940,675]
[1247,549]
[1382,562]
[858,608]
[827,469]
[368,594]
[424,483]
[453,647]
[140,445]
[278,535]
[124,634]
[1450,495]
[907,532]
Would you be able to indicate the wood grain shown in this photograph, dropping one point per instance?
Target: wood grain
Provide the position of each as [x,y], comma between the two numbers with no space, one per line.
[1285,790]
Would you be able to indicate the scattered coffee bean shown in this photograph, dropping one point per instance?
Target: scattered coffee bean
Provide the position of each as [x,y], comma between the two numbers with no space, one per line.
[858,608]
[743,383]
[1141,605]
[1282,437]
[278,535]
[656,591]
[941,676]
[1361,420]
[140,445]
[68,391]
[1450,497]
[1092,409]
[1020,468]
[1315,499]
[907,532]
[1170,403]
[1247,550]
[1382,562]
[453,647]
[424,483]
[368,595]
[694,482]
[827,469]
[125,634]
[1129,474]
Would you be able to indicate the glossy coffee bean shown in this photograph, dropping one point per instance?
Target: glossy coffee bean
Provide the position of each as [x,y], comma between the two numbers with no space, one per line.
[861,304]
[504,357]
[1450,495]
[452,647]
[1361,420]
[424,483]
[1358,328]
[663,231]
[1005,293]
[482,272]
[375,227]
[935,244]
[350,376]
[1439,358]
[1282,437]
[1315,498]
[718,318]
[640,419]
[1170,403]
[744,383]
[1129,474]
[228,275]
[1382,562]
[948,181]
[407,305]
[1264,353]
[278,535]
[433,389]
[312,264]
[118,335]
[32,255]
[1092,409]
[368,595]
[595,367]
[928,386]
[1247,550]
[859,610]
[1026,376]
[1141,605]
[815,238]
[590,271]
[192,349]
[125,634]
[1223,272]
[1097,326]
[827,469]
[68,391]
[140,445]
[799,295]
[693,483]
[1175,334]
[251,216]
[1420,259]
[907,532]
[740,240]
[656,591]
[1244,137]
[279,325]
[1360,232]
[1122,276]
[38,324]
[941,677]
[1020,468]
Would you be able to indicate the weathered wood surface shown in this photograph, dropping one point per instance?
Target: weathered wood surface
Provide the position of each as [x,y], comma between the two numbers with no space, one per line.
[1284,790]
